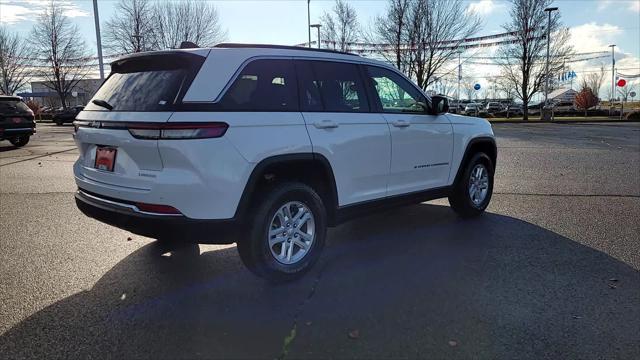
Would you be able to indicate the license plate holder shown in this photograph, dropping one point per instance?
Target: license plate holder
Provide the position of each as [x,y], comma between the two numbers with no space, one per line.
[105,158]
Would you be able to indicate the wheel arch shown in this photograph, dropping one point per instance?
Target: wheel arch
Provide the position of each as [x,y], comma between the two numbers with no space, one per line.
[312,169]
[483,144]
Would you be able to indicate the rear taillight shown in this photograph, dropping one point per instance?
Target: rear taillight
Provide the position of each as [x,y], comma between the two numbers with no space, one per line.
[165,131]
[178,131]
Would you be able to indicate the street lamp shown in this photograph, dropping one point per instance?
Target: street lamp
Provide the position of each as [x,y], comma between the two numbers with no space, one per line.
[317,26]
[546,83]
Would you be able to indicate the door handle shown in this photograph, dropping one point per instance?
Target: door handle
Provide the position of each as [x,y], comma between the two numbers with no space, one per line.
[400,123]
[325,124]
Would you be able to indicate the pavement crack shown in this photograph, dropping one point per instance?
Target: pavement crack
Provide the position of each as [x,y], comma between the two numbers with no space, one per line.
[288,340]
[38,157]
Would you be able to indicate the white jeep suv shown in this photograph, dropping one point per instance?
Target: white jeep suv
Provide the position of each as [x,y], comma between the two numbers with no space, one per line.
[267,146]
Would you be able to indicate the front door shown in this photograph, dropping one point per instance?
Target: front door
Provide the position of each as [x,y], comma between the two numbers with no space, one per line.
[422,144]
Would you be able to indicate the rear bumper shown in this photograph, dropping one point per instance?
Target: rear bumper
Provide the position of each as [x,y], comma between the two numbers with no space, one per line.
[11,132]
[127,217]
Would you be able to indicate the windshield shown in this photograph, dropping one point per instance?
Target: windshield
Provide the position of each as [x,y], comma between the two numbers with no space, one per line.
[10,106]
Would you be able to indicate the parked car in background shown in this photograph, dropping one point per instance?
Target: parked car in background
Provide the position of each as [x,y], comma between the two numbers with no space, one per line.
[493,107]
[456,108]
[16,121]
[67,116]
[472,108]
[514,110]
[564,106]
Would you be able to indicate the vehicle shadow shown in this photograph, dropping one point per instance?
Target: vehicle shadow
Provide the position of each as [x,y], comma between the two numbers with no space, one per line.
[414,282]
[7,147]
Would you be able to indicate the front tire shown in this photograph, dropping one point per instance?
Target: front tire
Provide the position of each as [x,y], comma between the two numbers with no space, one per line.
[472,192]
[20,141]
[286,234]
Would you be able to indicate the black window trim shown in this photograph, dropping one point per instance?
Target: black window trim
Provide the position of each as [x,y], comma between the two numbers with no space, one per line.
[374,108]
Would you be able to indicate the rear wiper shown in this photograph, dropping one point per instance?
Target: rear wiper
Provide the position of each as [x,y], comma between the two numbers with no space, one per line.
[103,104]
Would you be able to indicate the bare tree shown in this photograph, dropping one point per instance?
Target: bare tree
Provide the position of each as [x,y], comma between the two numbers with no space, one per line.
[13,62]
[595,80]
[506,88]
[467,84]
[131,28]
[436,30]
[624,91]
[391,28]
[189,20]
[523,62]
[340,28]
[61,49]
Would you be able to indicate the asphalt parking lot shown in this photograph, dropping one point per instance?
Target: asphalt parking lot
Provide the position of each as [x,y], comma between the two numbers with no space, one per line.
[552,270]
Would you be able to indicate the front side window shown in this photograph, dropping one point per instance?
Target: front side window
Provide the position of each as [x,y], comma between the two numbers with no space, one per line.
[330,86]
[263,85]
[396,94]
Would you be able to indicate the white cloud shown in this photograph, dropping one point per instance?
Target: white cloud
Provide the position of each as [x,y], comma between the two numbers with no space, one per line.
[483,7]
[603,4]
[13,11]
[597,37]
[593,37]
[634,6]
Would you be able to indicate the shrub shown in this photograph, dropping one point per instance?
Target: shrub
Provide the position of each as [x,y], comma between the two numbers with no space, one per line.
[34,106]
[585,99]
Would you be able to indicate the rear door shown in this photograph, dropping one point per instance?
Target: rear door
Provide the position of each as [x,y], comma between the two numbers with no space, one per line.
[343,129]
[140,93]
[421,143]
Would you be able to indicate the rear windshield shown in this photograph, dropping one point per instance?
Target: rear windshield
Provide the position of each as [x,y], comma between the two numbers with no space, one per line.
[146,84]
[13,106]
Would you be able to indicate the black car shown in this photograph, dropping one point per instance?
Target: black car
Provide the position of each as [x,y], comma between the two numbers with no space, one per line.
[67,116]
[16,121]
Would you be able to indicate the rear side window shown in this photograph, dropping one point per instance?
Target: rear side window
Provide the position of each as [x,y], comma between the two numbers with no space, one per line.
[330,86]
[151,83]
[10,106]
[263,85]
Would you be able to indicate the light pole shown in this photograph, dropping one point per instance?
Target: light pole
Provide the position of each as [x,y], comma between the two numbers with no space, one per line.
[546,72]
[309,20]
[98,41]
[317,26]
[613,73]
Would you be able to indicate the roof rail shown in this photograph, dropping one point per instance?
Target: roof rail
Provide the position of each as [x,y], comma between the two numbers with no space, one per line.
[283,47]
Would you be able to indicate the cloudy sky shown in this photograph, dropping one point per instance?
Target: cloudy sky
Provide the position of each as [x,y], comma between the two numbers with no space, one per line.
[594,24]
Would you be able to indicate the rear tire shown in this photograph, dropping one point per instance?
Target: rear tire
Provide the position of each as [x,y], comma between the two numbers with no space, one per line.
[472,192]
[281,245]
[19,141]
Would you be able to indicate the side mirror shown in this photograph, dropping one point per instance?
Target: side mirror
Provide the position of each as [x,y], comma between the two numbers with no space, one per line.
[439,104]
